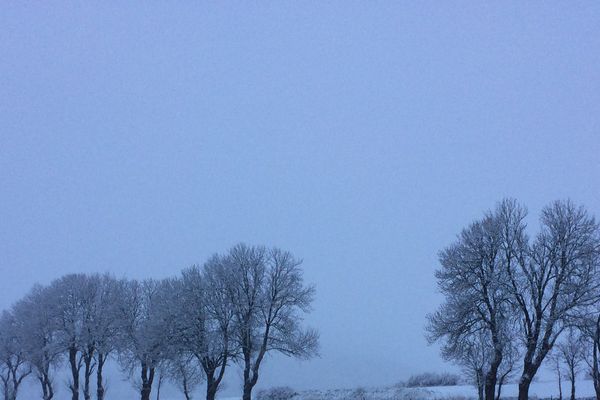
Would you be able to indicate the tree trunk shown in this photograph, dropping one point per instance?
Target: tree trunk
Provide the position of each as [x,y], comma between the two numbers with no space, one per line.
[145,392]
[17,380]
[74,373]
[560,395]
[44,389]
[479,382]
[147,376]
[160,379]
[524,384]
[87,373]
[490,386]
[595,367]
[99,378]
[492,376]
[500,384]
[212,381]
[247,392]
[47,390]
[186,390]
[572,388]
[211,388]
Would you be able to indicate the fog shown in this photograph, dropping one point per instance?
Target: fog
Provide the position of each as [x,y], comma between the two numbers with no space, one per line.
[139,140]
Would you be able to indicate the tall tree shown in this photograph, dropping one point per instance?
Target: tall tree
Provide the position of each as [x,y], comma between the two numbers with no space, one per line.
[37,328]
[474,321]
[146,329]
[104,326]
[71,296]
[590,334]
[552,281]
[268,295]
[206,318]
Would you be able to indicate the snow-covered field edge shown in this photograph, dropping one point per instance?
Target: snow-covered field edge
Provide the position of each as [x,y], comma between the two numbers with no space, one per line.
[538,390]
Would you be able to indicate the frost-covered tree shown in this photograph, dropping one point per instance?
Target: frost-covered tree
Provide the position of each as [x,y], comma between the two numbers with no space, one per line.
[475,321]
[182,369]
[98,296]
[186,336]
[103,327]
[472,355]
[268,295]
[72,296]
[553,280]
[205,318]
[36,324]
[13,365]
[146,329]
[494,271]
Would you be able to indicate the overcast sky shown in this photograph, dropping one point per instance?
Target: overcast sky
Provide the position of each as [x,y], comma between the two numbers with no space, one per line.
[361,136]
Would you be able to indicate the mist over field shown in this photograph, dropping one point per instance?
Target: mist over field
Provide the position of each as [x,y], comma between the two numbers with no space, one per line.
[326,197]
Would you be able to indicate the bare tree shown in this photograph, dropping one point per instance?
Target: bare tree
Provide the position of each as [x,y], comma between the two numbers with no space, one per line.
[102,328]
[552,280]
[205,321]
[268,295]
[71,296]
[474,321]
[98,296]
[590,335]
[555,361]
[472,354]
[184,372]
[146,328]
[571,352]
[13,365]
[37,328]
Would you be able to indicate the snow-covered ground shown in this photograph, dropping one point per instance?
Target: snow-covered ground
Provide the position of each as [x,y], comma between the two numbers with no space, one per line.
[540,390]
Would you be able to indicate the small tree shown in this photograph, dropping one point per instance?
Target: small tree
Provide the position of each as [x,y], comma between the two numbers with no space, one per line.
[184,372]
[571,352]
[555,364]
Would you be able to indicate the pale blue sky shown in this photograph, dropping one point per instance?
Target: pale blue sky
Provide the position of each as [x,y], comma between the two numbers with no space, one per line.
[362,136]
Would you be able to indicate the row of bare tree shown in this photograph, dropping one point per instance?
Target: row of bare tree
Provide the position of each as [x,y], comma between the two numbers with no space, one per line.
[511,299]
[235,308]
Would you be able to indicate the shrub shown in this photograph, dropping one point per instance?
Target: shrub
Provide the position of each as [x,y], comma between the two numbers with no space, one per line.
[359,394]
[433,379]
[276,393]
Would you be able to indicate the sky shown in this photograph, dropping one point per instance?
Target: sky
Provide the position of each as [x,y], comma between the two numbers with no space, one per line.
[139,139]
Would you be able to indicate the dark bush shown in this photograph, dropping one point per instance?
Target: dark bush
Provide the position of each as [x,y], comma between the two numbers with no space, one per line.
[433,379]
[276,393]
